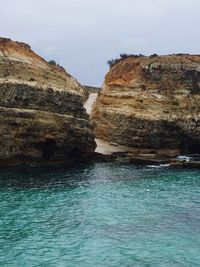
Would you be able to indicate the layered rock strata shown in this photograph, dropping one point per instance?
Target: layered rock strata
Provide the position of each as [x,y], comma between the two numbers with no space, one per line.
[42,119]
[151,103]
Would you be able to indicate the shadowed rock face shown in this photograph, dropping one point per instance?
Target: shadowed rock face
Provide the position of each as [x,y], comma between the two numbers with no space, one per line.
[42,119]
[151,103]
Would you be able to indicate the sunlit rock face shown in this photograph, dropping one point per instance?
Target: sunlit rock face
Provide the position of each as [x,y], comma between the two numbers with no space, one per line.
[42,119]
[151,102]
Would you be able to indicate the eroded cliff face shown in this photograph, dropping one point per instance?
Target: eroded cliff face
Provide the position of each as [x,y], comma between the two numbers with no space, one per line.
[151,102]
[42,119]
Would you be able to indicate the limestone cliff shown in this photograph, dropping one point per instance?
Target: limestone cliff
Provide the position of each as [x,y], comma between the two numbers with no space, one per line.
[151,102]
[42,118]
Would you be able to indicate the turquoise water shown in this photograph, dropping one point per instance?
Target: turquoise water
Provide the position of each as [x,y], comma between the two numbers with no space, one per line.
[100,215]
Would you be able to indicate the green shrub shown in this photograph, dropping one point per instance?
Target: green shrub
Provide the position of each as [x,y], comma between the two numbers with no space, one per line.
[53,63]
[123,56]
[153,55]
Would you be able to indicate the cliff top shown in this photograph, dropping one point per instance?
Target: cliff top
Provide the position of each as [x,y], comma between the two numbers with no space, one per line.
[20,52]
[20,64]
[126,71]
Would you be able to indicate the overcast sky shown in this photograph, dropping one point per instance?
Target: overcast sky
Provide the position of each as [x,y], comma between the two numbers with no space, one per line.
[82,35]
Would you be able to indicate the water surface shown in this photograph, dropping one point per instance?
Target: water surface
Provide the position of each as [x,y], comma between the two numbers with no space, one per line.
[100,215]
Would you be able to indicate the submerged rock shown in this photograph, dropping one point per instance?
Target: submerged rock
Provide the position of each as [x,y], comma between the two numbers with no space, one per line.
[42,119]
[151,103]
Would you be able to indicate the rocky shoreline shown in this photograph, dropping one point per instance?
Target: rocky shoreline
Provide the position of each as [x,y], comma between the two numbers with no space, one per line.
[147,160]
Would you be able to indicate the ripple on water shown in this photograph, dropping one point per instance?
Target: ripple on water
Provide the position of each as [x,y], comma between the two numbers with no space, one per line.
[100,215]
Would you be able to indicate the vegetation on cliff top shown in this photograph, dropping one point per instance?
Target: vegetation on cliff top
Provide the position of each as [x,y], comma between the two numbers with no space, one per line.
[124,56]
[53,63]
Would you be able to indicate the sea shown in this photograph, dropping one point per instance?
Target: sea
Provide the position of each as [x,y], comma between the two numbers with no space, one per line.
[100,215]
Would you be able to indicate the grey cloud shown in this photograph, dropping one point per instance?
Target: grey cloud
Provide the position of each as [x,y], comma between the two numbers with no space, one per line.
[83,34]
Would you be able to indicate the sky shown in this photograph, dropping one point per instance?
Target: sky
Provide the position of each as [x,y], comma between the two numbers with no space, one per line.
[82,35]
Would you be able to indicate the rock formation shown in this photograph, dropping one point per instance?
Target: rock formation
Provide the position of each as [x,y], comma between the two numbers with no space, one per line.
[42,119]
[151,103]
